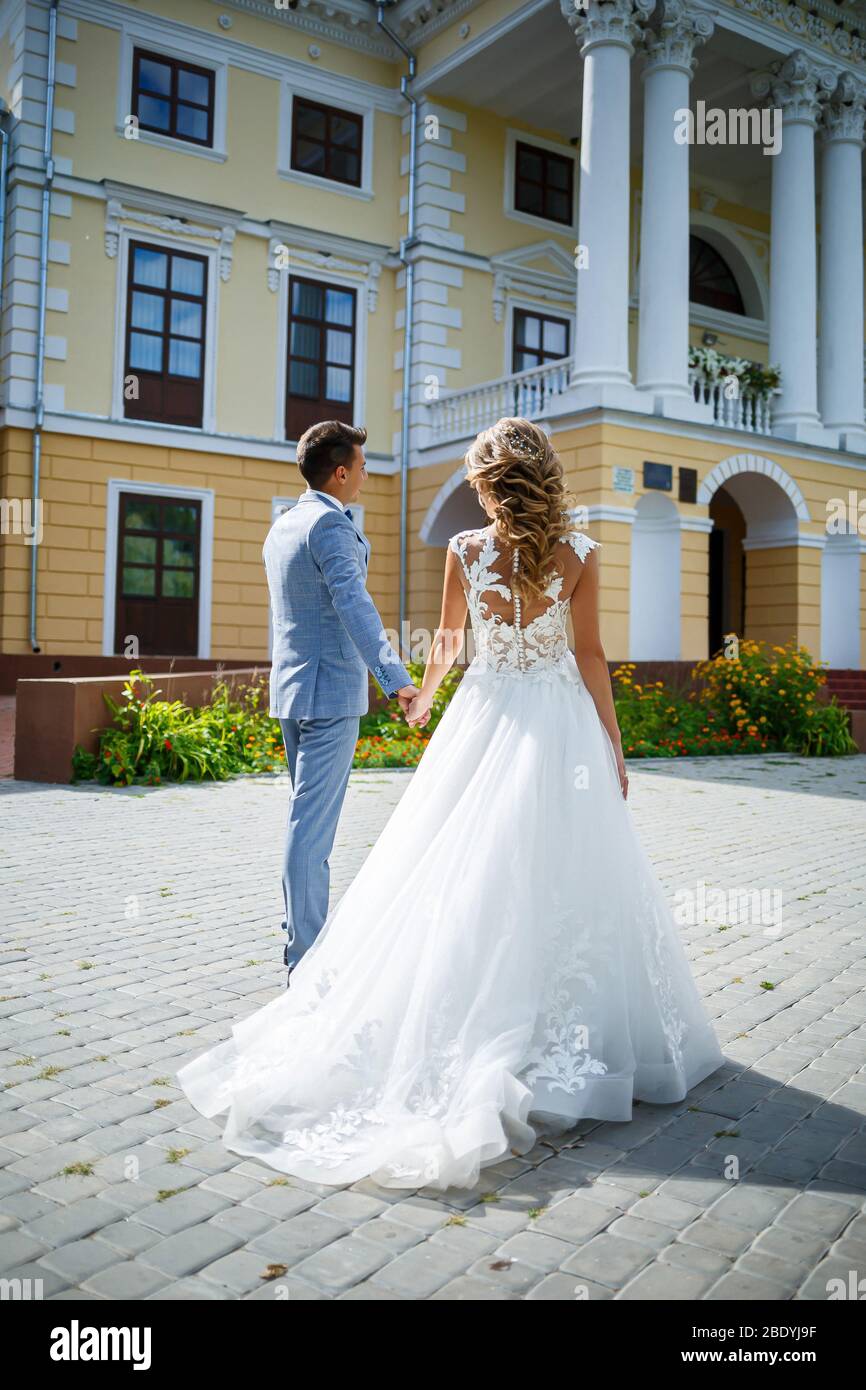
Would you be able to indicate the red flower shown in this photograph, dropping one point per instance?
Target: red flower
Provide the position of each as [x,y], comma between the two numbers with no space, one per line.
[168,743]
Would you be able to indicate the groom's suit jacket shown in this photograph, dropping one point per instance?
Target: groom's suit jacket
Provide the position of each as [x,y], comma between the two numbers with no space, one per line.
[327,632]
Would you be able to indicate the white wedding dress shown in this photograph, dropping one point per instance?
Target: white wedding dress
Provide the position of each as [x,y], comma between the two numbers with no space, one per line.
[505,952]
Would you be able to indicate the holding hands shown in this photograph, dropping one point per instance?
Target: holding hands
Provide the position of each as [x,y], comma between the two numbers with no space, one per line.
[415,705]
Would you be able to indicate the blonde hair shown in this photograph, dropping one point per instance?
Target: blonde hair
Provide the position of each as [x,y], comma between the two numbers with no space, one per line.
[515,464]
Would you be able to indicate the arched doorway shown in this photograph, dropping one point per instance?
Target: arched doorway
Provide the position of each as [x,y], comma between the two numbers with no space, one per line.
[753,583]
[455,508]
[727,596]
[654,601]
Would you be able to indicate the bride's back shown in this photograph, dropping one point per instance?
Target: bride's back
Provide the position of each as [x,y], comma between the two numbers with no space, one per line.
[513,631]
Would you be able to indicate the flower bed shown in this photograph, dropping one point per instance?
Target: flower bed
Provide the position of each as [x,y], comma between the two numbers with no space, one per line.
[762,699]
[757,699]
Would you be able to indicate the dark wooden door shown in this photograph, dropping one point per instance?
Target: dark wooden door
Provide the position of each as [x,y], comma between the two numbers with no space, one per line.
[158,553]
[718,590]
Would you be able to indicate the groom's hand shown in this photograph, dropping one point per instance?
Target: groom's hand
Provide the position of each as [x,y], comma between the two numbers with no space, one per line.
[405,695]
[419,711]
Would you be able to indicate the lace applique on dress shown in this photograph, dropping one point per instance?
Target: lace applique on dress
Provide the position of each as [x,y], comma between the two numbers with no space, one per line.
[541,645]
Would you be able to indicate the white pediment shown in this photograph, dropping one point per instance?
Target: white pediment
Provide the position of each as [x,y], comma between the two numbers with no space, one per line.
[543,270]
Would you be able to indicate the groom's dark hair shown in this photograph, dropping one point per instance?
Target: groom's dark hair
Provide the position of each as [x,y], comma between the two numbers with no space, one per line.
[323,447]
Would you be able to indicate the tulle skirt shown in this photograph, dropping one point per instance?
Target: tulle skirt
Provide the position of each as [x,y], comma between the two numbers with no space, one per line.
[505,954]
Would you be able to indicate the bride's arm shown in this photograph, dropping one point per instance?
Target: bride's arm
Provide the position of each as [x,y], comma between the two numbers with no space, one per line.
[447,640]
[590,657]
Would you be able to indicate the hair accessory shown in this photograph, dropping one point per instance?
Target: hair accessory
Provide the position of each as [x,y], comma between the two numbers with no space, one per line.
[520,445]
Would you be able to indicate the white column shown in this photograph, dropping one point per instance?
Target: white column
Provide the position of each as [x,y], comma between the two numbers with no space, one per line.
[606,33]
[840,362]
[664,232]
[793,256]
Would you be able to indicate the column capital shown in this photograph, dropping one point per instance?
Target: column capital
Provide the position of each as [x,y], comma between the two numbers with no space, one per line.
[798,88]
[671,42]
[613,22]
[844,115]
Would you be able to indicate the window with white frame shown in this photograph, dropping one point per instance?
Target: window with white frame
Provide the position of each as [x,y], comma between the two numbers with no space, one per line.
[540,182]
[326,136]
[170,95]
[165,344]
[537,339]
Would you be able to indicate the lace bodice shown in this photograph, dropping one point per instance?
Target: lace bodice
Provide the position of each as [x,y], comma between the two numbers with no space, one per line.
[507,639]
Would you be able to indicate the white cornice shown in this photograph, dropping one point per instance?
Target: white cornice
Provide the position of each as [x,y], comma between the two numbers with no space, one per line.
[348,22]
[480,44]
[784,28]
[330,243]
[153,200]
[222,48]
[353,22]
[171,436]
[738,440]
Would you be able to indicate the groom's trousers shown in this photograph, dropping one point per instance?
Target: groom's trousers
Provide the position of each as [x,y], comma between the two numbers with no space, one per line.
[319,756]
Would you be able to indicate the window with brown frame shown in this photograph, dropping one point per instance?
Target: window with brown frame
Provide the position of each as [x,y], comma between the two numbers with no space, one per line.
[538,338]
[165,335]
[171,97]
[326,141]
[543,183]
[321,355]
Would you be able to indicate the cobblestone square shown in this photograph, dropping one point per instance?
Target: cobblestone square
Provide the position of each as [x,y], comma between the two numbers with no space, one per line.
[138,924]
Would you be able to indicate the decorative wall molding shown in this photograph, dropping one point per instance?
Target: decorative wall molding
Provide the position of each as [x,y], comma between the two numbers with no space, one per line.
[514,273]
[367,270]
[830,33]
[171,215]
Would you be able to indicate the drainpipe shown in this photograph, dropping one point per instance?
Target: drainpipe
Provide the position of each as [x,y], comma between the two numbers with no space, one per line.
[406,245]
[4,174]
[39,407]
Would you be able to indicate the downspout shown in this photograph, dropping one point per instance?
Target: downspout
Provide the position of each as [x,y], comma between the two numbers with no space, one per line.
[406,245]
[39,406]
[4,175]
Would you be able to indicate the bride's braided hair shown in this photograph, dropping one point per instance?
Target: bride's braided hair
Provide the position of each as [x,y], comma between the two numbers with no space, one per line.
[515,464]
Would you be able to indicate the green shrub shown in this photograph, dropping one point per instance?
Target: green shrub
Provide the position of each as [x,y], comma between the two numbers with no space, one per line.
[772,692]
[152,740]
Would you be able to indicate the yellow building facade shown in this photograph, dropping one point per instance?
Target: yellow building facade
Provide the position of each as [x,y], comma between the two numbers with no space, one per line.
[228,194]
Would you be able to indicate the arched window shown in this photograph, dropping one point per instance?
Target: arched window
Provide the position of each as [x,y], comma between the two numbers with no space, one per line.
[710,280]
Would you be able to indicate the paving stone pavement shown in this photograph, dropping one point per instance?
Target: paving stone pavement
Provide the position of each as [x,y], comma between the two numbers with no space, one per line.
[139,923]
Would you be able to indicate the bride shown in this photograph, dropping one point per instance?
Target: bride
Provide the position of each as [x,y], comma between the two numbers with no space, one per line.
[505,953]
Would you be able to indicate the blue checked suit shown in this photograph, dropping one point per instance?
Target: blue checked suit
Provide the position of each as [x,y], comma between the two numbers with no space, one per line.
[327,634]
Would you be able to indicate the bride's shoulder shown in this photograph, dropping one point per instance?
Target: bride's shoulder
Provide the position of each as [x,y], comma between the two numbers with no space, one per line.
[462,539]
[580,543]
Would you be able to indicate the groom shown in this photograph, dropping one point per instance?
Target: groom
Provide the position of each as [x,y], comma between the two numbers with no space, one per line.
[326,635]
